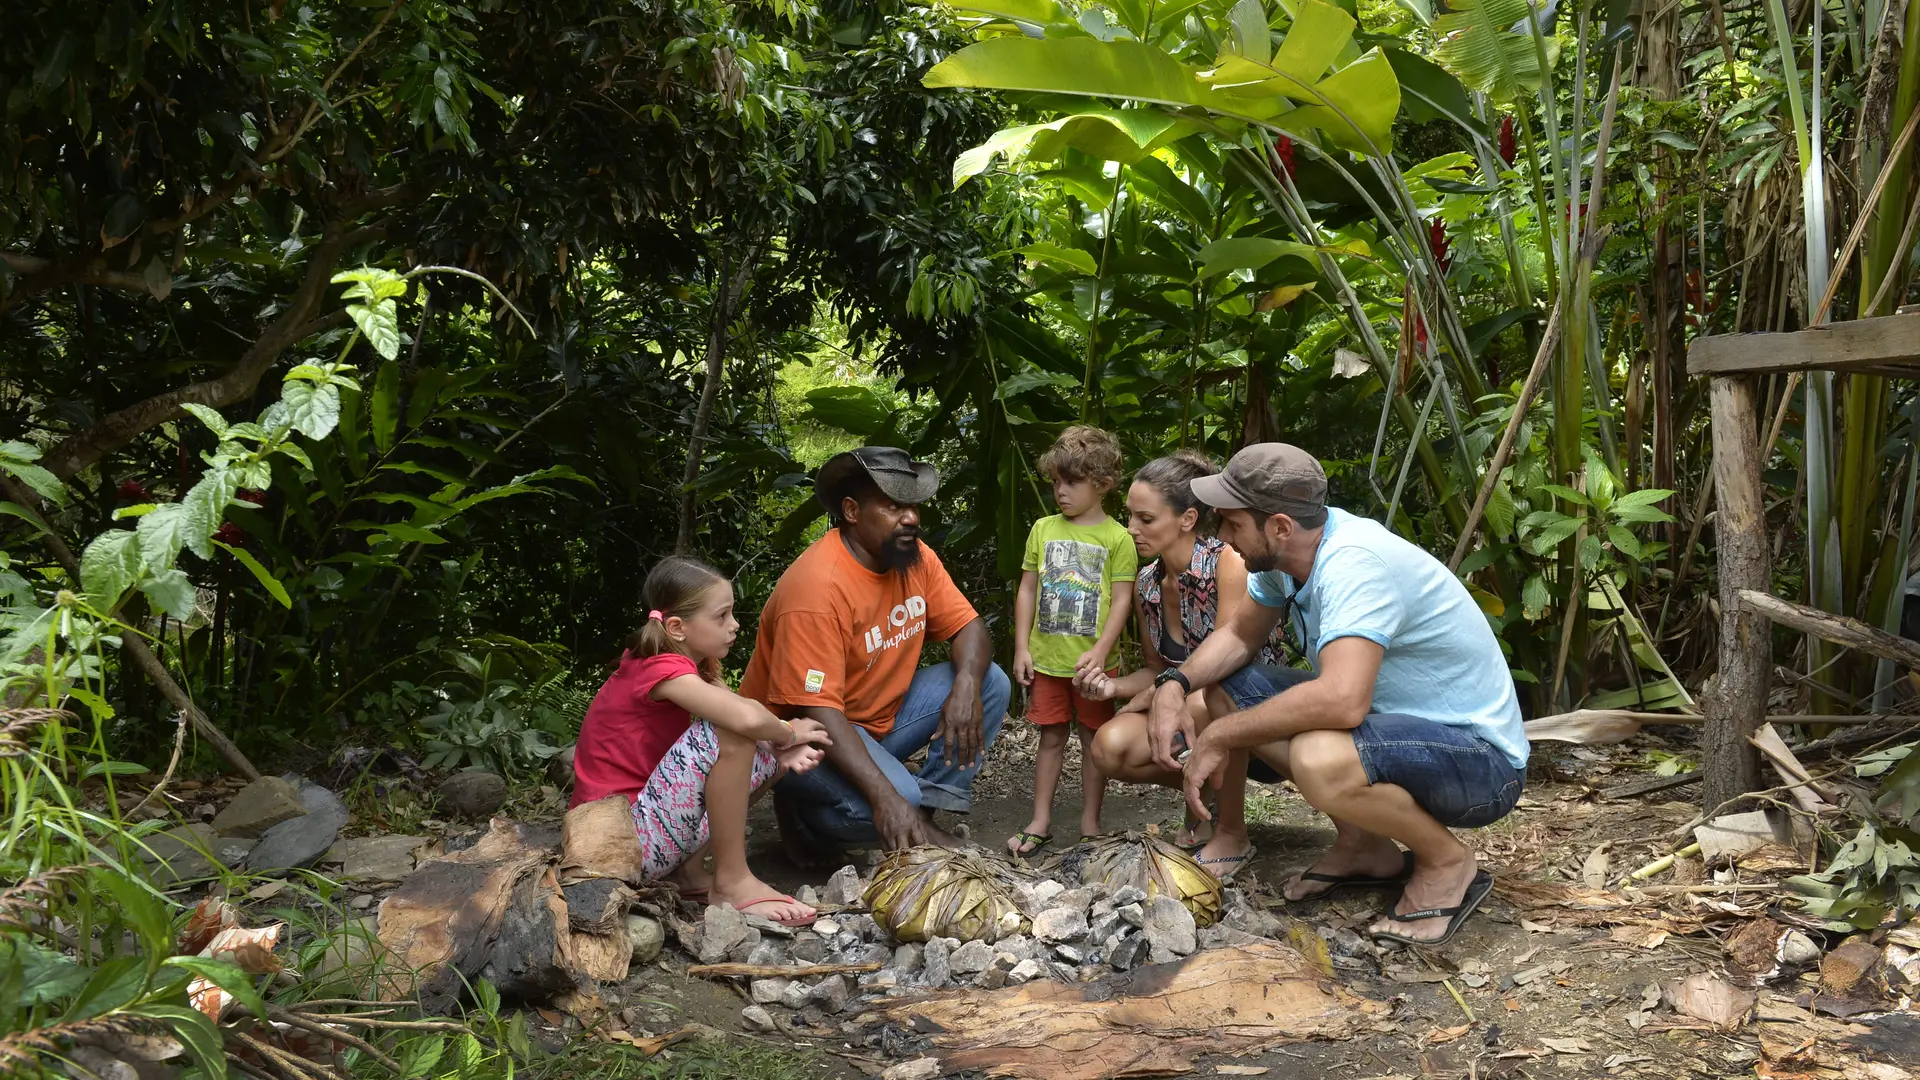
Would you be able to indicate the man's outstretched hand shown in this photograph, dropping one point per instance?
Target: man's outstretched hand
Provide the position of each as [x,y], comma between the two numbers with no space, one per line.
[900,824]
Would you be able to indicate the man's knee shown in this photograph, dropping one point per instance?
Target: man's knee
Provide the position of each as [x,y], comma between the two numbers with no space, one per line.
[1111,744]
[1325,764]
[1218,702]
[996,691]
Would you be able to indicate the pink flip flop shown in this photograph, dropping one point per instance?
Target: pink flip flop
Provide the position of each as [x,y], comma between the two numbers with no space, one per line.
[799,923]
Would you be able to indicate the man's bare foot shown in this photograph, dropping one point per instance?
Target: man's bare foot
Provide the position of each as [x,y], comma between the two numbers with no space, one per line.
[752,896]
[1433,885]
[1383,861]
[803,848]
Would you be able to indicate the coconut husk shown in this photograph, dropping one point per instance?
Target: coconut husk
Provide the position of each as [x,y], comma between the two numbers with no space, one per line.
[928,891]
[1144,860]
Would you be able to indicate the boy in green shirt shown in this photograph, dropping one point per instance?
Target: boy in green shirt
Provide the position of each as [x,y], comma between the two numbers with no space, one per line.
[1076,589]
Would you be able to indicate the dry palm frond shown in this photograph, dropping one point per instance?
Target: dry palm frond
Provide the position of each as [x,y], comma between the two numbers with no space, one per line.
[23,1050]
[33,895]
[16,724]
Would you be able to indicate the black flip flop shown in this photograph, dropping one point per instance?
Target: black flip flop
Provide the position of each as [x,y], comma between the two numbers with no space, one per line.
[1477,890]
[1356,881]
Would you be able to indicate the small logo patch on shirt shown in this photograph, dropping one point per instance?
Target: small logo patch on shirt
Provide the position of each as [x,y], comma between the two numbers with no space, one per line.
[815,680]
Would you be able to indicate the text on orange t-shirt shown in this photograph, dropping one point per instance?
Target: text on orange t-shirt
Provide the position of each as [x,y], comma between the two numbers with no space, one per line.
[836,635]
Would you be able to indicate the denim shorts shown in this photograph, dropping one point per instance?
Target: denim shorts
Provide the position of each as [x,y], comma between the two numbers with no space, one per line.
[1462,780]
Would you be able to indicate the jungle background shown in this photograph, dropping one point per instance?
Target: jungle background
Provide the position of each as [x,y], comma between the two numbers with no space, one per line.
[358,359]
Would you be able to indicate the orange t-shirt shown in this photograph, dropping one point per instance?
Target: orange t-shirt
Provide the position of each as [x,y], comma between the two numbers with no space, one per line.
[836,635]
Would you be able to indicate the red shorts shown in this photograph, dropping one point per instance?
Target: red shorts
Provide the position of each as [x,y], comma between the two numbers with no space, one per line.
[1055,701]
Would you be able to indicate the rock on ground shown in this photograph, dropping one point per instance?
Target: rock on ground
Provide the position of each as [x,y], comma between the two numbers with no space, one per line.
[189,852]
[1026,971]
[1170,930]
[373,858]
[723,931]
[936,963]
[473,794]
[832,993]
[647,935]
[299,841]
[796,994]
[767,991]
[757,1018]
[1060,924]
[971,957]
[260,806]
[843,887]
[926,1068]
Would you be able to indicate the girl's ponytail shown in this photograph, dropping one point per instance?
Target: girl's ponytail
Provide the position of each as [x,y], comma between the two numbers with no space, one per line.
[676,587]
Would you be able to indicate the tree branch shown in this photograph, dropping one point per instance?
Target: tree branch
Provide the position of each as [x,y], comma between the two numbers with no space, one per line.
[294,323]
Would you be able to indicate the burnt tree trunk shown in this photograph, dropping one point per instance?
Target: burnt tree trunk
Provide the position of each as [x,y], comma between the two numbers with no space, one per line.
[1739,704]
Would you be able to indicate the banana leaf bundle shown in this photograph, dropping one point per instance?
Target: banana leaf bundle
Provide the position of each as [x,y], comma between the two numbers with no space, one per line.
[927,891]
[1157,867]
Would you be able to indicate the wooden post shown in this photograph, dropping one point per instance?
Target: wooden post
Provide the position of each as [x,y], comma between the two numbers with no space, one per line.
[1739,704]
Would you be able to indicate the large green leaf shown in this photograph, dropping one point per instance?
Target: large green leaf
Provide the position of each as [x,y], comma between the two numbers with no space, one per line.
[1037,12]
[171,592]
[1083,67]
[1071,258]
[1247,253]
[165,531]
[1359,104]
[1430,92]
[313,410]
[109,567]
[1315,40]
[1478,44]
[384,405]
[856,410]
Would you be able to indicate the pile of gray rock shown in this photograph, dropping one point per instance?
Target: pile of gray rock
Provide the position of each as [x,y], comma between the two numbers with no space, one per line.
[274,823]
[1068,934]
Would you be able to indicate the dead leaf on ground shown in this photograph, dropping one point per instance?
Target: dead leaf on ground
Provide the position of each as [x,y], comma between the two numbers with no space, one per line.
[1772,859]
[1711,998]
[1241,1070]
[1566,1046]
[1639,936]
[652,1046]
[1593,872]
[1446,1035]
[1154,1019]
[1532,927]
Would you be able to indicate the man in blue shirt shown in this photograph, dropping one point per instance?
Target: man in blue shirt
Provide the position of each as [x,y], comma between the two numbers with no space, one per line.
[1408,723]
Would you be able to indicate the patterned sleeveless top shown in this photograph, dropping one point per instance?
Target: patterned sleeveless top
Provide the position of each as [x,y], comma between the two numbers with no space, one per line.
[1199,604]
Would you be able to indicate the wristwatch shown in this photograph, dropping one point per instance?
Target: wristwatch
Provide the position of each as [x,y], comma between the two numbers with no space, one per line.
[1173,674]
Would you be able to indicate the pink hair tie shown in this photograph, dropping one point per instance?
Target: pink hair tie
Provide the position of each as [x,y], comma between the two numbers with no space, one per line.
[655,616]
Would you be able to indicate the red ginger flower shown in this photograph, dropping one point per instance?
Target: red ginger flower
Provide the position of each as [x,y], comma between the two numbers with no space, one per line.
[1509,146]
[230,534]
[132,491]
[1442,247]
[1282,156]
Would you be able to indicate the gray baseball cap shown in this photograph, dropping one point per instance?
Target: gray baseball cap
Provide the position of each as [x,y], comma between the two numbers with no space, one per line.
[1274,478]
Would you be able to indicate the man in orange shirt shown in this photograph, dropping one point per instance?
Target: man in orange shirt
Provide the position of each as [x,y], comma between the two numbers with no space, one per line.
[840,641]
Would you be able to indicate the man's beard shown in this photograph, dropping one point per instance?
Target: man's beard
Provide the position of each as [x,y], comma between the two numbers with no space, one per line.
[893,556]
[1265,559]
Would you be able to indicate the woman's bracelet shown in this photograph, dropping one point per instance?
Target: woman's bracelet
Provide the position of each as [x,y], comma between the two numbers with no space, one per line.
[792,735]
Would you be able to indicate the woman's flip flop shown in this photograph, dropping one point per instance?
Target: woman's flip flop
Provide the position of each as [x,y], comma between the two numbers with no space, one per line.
[1336,882]
[798,922]
[1237,862]
[1477,890]
[1026,843]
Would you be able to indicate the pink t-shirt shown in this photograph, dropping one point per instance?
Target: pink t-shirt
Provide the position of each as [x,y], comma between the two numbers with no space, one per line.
[626,733]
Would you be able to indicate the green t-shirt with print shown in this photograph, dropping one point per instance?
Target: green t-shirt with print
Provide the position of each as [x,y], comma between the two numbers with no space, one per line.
[1078,565]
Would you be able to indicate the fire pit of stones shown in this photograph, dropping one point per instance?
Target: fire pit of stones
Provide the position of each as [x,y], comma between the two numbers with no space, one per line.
[1064,930]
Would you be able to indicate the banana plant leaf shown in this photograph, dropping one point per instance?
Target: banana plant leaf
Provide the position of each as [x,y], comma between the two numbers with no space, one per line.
[1149,863]
[927,892]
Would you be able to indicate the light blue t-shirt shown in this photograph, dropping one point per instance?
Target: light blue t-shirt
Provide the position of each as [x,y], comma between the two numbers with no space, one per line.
[1442,661]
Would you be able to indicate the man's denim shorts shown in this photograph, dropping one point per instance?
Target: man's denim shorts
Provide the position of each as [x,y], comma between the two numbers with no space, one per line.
[1461,779]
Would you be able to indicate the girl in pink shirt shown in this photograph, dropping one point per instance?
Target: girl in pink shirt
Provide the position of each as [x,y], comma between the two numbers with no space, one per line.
[689,754]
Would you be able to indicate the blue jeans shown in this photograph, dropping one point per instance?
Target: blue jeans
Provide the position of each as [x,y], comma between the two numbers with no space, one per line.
[1460,779]
[835,810]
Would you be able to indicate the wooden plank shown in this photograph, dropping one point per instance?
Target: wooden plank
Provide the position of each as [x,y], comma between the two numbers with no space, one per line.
[1731,766]
[1892,342]
[1838,629]
[1812,796]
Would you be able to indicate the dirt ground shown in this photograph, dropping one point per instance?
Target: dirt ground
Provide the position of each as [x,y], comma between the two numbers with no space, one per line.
[1529,988]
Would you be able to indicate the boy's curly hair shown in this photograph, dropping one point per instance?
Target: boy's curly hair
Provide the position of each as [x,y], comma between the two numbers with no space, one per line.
[1083,452]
